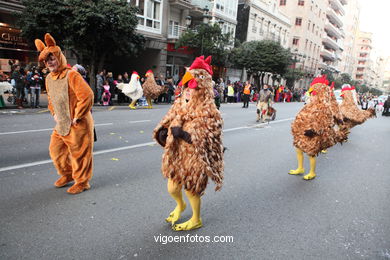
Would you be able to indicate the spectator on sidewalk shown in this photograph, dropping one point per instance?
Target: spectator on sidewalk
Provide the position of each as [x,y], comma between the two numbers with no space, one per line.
[99,86]
[36,81]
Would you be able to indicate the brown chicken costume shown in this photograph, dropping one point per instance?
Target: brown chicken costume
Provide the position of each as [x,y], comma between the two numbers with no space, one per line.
[314,127]
[70,102]
[151,89]
[191,134]
[352,115]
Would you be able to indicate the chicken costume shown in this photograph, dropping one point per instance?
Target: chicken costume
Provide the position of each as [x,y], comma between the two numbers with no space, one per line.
[151,89]
[70,102]
[133,89]
[313,128]
[191,134]
[352,115]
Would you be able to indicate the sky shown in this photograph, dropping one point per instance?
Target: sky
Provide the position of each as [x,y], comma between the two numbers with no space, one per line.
[375,18]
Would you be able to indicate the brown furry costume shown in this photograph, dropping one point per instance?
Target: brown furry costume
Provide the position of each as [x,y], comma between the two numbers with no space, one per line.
[313,128]
[352,115]
[192,163]
[150,87]
[70,101]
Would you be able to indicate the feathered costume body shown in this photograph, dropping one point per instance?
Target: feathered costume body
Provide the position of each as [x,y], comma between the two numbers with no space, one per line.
[313,128]
[352,115]
[133,89]
[150,88]
[191,164]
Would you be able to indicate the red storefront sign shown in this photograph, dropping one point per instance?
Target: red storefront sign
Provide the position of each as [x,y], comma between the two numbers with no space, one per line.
[183,50]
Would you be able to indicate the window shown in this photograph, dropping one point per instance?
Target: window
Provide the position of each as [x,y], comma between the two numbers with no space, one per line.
[298,21]
[282,2]
[173,29]
[296,41]
[308,25]
[149,16]
[301,2]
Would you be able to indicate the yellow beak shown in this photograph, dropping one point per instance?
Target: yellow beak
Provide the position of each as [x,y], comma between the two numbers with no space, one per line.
[311,89]
[187,77]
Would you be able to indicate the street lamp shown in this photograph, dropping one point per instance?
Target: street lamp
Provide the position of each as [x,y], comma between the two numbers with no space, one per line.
[206,20]
[206,15]
[188,21]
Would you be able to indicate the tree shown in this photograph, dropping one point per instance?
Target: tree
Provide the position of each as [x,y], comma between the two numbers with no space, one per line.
[91,29]
[260,57]
[207,40]
[293,75]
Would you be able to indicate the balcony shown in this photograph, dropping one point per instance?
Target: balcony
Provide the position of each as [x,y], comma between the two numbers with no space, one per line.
[327,55]
[11,6]
[330,43]
[332,16]
[175,31]
[181,4]
[344,2]
[337,6]
[202,4]
[333,30]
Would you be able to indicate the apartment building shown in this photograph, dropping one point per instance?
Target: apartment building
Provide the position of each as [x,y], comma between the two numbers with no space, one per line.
[351,24]
[262,20]
[364,65]
[163,21]
[308,19]
[333,36]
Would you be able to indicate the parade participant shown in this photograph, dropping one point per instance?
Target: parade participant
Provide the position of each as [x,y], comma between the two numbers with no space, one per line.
[70,102]
[191,134]
[265,99]
[133,89]
[151,89]
[352,115]
[312,128]
[246,94]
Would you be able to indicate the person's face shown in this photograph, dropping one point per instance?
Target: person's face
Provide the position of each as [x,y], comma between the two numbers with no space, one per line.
[52,63]
[265,86]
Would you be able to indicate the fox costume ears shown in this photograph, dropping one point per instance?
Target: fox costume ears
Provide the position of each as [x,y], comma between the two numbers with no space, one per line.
[50,47]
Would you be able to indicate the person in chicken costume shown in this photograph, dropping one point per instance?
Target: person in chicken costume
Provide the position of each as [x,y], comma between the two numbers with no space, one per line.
[313,128]
[133,89]
[191,134]
[352,115]
[70,102]
[151,89]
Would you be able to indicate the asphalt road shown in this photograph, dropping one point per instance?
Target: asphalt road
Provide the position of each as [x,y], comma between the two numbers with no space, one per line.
[342,214]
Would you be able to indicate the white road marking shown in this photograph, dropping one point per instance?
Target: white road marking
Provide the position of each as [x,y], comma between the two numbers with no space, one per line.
[26,165]
[140,121]
[42,130]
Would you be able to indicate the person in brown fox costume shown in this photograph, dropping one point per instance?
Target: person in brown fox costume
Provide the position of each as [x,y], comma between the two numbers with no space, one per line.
[313,128]
[352,115]
[191,134]
[151,89]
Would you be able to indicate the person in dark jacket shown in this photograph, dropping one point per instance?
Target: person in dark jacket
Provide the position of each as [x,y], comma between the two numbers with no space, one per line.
[18,80]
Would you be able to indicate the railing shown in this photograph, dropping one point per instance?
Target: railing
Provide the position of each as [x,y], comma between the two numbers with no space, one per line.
[175,31]
[202,3]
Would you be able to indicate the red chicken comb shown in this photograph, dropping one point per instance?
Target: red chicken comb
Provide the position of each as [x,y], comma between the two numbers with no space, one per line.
[320,80]
[202,63]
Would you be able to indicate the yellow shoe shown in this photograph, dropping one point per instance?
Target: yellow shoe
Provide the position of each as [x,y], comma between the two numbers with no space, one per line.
[309,176]
[297,171]
[324,151]
[132,107]
[175,215]
[188,225]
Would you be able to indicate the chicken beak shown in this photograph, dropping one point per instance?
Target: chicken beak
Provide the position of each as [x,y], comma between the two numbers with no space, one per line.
[186,78]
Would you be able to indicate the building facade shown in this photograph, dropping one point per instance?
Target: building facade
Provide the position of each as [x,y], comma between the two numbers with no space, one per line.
[351,24]
[262,20]
[363,70]
[307,32]
[333,36]
[13,48]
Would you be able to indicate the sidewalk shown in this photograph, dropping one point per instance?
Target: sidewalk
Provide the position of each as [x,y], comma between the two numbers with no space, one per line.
[42,102]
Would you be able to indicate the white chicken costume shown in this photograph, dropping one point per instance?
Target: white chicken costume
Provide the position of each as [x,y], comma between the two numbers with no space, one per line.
[133,89]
